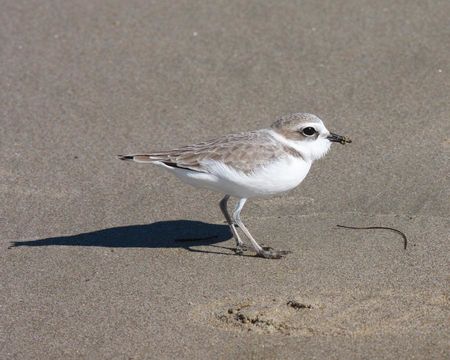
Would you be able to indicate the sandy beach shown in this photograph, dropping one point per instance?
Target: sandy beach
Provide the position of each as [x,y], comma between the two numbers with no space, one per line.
[102,259]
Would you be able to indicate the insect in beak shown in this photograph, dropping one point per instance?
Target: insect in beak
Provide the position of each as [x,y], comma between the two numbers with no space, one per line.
[338,138]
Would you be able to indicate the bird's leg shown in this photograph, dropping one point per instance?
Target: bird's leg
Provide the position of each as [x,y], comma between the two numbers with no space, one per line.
[240,246]
[267,253]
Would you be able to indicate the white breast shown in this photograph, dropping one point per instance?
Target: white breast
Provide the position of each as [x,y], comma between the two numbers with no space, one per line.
[280,176]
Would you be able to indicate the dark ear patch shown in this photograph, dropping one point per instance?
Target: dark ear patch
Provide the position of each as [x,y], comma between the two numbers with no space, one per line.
[291,134]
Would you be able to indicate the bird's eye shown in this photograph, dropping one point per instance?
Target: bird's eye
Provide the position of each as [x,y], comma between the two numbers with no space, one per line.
[308,131]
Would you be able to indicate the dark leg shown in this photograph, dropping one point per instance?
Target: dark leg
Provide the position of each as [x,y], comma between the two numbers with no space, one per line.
[265,252]
[240,246]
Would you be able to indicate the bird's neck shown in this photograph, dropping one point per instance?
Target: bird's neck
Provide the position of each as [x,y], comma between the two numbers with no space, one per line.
[292,145]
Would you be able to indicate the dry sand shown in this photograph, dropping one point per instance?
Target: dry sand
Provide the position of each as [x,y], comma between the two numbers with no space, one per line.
[89,265]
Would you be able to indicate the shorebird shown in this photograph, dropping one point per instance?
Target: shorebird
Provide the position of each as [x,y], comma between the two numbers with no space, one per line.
[250,164]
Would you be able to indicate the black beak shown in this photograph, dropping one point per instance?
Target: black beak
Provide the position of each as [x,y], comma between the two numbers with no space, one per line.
[339,138]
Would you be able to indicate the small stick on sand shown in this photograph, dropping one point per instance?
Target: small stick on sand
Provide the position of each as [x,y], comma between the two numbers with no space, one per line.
[405,240]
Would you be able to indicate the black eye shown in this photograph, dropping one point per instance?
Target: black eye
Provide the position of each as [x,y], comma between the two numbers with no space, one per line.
[308,131]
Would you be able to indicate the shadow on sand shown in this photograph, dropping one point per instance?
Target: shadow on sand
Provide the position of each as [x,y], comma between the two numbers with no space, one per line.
[163,234]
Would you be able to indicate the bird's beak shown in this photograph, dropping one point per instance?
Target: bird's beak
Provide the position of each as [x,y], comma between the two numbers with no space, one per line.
[339,138]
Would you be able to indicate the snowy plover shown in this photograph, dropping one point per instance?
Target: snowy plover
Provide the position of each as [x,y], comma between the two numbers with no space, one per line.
[250,164]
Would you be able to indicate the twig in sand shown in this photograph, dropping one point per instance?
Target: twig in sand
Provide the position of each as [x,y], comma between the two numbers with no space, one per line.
[405,240]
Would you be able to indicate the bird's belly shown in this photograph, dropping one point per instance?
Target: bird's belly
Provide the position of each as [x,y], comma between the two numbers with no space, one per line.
[277,177]
[281,176]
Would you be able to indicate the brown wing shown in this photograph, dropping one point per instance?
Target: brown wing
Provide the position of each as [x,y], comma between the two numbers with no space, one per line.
[243,151]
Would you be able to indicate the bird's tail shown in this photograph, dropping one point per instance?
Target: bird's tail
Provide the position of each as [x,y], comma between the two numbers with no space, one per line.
[140,158]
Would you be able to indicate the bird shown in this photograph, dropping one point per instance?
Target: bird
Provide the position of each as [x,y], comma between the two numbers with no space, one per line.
[250,164]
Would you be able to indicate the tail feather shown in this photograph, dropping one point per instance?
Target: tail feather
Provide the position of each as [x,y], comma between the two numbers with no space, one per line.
[160,159]
[141,158]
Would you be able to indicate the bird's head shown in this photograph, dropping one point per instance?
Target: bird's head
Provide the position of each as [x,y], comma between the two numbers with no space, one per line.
[307,134]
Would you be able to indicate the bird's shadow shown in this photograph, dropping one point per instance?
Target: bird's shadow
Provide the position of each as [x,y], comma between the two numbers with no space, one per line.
[185,234]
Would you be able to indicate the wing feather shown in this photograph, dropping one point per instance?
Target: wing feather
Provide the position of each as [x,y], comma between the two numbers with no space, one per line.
[243,152]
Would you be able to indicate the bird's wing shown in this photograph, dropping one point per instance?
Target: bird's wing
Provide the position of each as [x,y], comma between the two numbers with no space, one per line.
[243,152]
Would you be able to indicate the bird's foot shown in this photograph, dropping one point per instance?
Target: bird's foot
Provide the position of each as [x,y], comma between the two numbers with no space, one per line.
[269,253]
[240,249]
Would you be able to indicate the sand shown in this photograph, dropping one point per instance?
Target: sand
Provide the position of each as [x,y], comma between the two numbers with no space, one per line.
[90,265]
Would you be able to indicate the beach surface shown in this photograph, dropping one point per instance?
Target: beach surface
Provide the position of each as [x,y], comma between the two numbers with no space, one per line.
[103,259]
